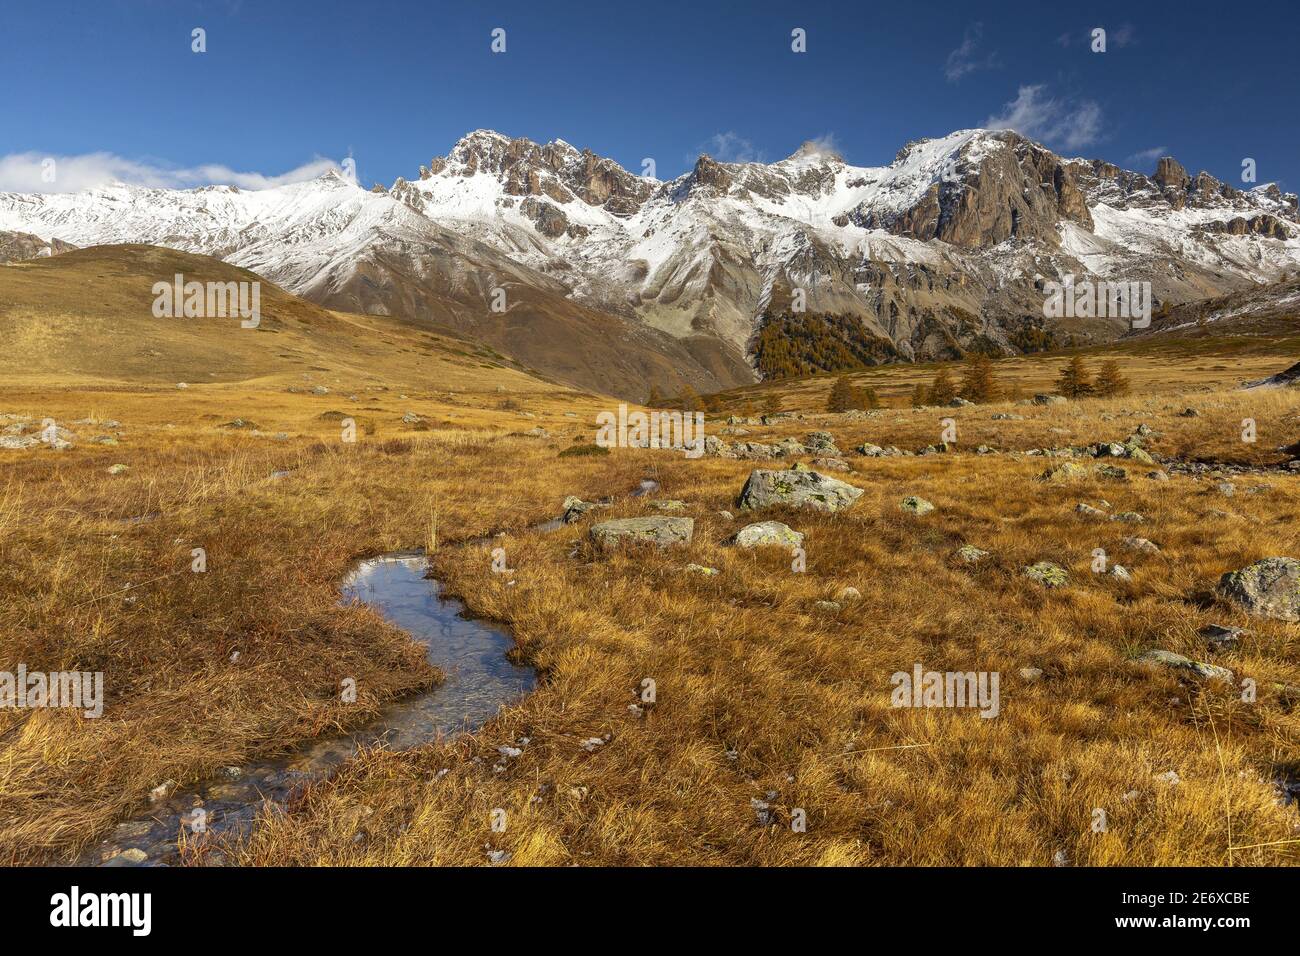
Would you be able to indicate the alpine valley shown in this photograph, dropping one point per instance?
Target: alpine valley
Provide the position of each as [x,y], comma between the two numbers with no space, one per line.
[617,282]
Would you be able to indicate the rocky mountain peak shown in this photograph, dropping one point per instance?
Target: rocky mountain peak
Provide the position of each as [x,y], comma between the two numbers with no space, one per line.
[1170,174]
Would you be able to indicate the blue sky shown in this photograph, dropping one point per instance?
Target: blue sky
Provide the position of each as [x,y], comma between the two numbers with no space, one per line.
[286,86]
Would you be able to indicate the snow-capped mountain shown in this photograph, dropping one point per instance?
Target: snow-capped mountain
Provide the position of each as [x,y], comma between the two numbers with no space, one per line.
[946,248]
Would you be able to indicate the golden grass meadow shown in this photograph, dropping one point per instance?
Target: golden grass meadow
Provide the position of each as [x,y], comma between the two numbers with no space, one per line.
[772,687]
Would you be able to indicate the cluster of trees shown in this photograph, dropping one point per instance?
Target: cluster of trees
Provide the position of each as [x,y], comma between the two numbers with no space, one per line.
[977,385]
[1077,381]
[790,344]
[845,396]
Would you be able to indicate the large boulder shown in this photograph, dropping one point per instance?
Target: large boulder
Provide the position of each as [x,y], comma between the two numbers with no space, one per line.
[1267,588]
[796,489]
[660,531]
[768,533]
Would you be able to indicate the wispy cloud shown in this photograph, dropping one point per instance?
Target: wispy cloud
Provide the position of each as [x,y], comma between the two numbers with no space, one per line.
[823,145]
[730,147]
[1148,155]
[1058,123]
[27,172]
[969,57]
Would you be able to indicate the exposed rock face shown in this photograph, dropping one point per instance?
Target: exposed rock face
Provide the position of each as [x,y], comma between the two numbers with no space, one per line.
[556,170]
[796,489]
[549,219]
[1268,588]
[1018,191]
[1170,174]
[659,531]
[16,246]
[768,533]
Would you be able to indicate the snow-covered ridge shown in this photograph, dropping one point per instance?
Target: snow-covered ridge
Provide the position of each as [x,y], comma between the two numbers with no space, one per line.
[960,222]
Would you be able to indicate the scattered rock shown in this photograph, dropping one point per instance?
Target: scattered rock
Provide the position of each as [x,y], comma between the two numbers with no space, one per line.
[796,489]
[1031,674]
[1268,588]
[118,469]
[575,508]
[767,533]
[659,531]
[1088,511]
[1047,574]
[1222,637]
[702,570]
[1141,544]
[822,443]
[848,594]
[971,554]
[1065,471]
[917,506]
[830,464]
[1179,662]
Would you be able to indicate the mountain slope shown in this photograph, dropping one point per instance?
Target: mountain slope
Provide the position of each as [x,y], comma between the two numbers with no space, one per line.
[87,316]
[617,281]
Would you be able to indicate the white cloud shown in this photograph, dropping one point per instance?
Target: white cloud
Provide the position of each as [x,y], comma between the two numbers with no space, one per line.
[823,145]
[1052,121]
[967,58]
[730,147]
[27,172]
[1148,155]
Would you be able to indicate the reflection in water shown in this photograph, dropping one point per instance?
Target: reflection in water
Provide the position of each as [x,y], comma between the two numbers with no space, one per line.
[479,679]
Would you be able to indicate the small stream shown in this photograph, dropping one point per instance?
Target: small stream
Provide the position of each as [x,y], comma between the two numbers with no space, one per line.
[479,680]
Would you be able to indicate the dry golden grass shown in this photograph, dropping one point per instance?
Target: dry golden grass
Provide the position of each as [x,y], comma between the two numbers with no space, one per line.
[758,690]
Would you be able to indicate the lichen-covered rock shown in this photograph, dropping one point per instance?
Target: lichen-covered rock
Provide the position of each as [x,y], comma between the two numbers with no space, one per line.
[971,554]
[659,531]
[1047,574]
[1268,588]
[1178,662]
[821,443]
[768,533]
[1141,544]
[796,489]
[830,464]
[1065,471]
[916,506]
